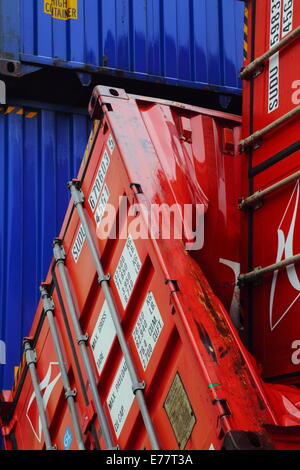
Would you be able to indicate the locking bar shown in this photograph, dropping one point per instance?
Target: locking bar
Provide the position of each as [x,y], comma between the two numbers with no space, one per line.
[250,70]
[31,362]
[257,136]
[75,191]
[244,279]
[259,195]
[82,339]
[69,393]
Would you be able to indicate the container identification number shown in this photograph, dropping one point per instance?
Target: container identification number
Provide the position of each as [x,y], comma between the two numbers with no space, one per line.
[273,98]
[111,144]
[99,180]
[78,244]
[103,200]
[147,330]
[275,22]
[287,20]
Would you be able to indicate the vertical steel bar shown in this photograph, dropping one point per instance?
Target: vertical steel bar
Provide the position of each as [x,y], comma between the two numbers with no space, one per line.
[31,361]
[59,256]
[69,393]
[78,199]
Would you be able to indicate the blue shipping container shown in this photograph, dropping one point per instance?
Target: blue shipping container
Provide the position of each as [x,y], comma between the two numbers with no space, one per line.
[193,43]
[40,150]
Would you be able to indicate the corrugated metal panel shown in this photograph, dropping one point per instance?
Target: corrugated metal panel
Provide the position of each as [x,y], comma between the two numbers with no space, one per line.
[194,43]
[182,345]
[39,152]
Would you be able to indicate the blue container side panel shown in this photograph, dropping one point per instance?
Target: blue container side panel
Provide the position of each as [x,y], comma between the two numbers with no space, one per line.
[10,27]
[181,42]
[233,29]
[93,33]
[38,157]
[139,54]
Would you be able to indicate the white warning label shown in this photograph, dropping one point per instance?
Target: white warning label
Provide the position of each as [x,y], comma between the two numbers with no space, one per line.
[103,200]
[78,244]
[103,337]
[120,398]
[99,180]
[127,271]
[147,329]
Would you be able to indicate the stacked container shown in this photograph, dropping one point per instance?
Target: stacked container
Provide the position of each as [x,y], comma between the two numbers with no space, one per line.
[270,201]
[192,44]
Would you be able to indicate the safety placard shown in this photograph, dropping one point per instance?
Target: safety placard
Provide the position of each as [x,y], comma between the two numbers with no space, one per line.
[62,9]
[102,338]
[147,329]
[127,271]
[120,397]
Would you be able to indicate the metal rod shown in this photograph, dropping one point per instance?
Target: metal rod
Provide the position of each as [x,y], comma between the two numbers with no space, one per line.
[59,255]
[78,198]
[31,361]
[251,200]
[69,393]
[253,66]
[244,144]
[256,273]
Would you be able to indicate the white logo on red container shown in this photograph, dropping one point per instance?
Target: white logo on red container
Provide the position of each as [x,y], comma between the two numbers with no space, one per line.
[285,233]
[46,386]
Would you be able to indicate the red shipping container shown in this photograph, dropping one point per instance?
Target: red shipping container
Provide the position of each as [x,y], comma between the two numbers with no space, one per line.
[148,356]
[271,227]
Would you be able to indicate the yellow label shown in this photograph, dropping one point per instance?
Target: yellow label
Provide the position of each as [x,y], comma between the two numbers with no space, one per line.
[62,9]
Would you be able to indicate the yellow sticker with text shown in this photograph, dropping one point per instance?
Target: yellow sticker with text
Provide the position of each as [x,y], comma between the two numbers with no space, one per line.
[62,9]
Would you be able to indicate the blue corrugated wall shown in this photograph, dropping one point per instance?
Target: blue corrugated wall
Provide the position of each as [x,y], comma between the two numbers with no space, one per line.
[194,43]
[38,155]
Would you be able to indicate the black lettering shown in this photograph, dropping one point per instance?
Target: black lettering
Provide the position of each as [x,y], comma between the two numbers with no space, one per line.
[48,7]
[274,86]
[273,105]
[75,253]
[80,238]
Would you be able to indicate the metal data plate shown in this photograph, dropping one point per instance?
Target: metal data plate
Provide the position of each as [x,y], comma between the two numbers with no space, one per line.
[180,413]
